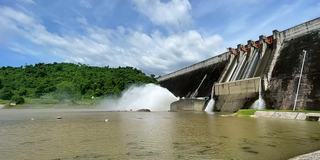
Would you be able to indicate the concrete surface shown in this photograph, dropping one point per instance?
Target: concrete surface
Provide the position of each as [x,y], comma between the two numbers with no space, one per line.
[264,114]
[244,86]
[189,104]
[308,156]
[285,115]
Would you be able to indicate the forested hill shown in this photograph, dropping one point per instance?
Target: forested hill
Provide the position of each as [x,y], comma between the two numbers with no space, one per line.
[67,80]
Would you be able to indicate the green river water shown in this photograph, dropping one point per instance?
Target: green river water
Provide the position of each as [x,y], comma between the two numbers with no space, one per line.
[84,134]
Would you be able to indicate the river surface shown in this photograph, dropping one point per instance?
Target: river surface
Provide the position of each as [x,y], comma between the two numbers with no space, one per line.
[84,134]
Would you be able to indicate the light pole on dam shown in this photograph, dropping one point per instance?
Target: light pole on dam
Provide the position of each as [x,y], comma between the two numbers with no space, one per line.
[298,88]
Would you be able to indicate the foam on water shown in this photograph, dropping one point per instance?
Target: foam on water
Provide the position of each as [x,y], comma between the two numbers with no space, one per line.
[148,96]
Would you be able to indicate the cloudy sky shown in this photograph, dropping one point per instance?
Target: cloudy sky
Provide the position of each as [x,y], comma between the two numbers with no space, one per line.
[156,36]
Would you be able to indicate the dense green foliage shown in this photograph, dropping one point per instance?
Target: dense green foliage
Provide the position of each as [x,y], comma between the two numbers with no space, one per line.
[67,81]
[6,94]
[17,99]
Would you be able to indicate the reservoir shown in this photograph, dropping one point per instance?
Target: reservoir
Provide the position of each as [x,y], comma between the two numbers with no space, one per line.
[92,134]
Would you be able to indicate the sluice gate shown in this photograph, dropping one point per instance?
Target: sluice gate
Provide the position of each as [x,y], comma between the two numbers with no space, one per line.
[247,66]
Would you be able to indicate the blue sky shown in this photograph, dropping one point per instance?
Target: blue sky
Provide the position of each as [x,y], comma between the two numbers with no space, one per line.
[156,36]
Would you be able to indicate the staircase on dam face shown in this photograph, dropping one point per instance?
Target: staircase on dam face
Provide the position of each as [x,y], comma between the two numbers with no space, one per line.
[241,78]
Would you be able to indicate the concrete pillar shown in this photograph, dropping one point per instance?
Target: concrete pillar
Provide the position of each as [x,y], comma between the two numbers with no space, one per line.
[263,44]
[251,46]
[248,53]
[277,36]
[259,67]
[233,66]
[278,40]
[226,70]
[242,58]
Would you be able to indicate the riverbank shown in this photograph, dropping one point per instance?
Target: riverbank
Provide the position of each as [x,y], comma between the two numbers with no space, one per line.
[280,114]
[312,155]
[311,116]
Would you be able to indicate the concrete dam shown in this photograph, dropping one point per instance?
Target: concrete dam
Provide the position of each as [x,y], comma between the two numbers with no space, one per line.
[271,64]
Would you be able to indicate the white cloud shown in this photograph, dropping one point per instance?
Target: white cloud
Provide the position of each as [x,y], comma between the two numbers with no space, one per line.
[153,53]
[173,14]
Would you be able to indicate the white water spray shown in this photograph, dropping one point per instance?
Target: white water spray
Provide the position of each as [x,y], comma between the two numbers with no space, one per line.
[259,104]
[209,107]
[148,96]
[211,103]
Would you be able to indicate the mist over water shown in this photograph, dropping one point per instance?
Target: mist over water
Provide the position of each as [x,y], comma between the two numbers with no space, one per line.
[148,96]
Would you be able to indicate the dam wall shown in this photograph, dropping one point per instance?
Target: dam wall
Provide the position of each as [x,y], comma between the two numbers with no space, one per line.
[286,72]
[230,94]
[275,60]
[191,104]
[246,69]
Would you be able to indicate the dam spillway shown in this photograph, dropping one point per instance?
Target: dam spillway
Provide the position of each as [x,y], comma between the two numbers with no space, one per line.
[272,62]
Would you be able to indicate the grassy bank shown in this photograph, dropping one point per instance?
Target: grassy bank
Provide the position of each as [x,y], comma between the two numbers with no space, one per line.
[245,112]
[4,102]
[249,112]
[38,103]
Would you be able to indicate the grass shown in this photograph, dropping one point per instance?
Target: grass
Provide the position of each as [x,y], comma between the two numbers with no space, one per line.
[40,101]
[49,102]
[4,101]
[249,112]
[245,112]
[87,101]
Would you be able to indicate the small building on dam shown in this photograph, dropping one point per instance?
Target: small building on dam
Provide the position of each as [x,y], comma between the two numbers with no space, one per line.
[270,65]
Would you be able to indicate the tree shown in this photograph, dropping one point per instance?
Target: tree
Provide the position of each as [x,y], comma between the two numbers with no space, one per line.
[66,80]
[22,92]
[1,84]
[98,92]
[6,94]
[17,99]
[65,90]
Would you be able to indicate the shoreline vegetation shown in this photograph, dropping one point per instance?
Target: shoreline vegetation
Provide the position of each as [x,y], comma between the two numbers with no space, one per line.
[40,103]
[251,112]
[65,84]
